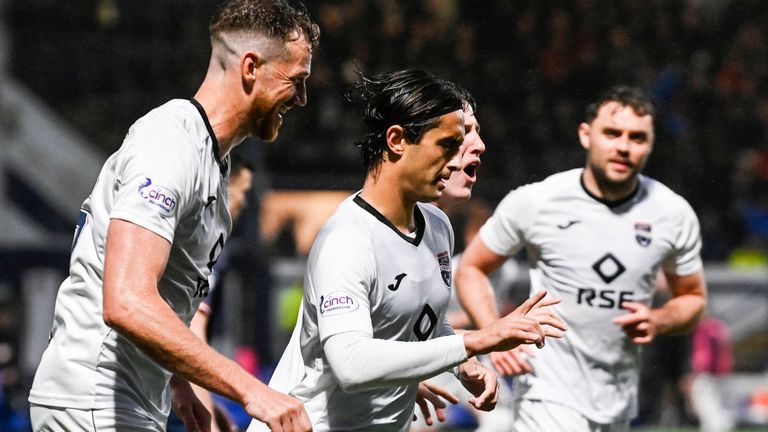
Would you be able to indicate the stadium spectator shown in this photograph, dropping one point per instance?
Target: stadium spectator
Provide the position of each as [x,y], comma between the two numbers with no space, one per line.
[595,237]
[712,360]
[152,230]
[378,277]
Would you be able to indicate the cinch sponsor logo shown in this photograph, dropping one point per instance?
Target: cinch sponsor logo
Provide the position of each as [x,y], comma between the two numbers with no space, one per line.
[337,302]
[158,196]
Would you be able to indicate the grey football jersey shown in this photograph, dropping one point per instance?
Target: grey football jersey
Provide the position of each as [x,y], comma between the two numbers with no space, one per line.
[593,255]
[168,178]
[363,275]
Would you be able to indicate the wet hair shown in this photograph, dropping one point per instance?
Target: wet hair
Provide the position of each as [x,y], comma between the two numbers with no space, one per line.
[276,19]
[629,96]
[410,98]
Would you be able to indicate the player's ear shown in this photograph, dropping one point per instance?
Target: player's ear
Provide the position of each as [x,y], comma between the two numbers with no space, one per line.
[584,135]
[396,139]
[250,62]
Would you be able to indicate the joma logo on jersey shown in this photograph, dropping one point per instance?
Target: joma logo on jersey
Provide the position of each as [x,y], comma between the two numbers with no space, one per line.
[445,267]
[606,299]
[337,302]
[158,196]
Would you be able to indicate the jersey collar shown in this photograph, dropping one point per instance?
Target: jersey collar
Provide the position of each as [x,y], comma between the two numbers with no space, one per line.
[420,224]
[223,166]
[609,203]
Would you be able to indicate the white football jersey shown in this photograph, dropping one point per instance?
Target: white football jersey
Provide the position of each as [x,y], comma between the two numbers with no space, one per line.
[168,178]
[593,255]
[364,275]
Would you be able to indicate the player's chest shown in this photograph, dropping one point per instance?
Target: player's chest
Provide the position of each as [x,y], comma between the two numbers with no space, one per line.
[601,239]
[207,223]
[412,290]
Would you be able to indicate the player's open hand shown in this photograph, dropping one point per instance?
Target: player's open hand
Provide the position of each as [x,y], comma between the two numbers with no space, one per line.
[430,393]
[282,413]
[513,362]
[482,382]
[188,407]
[637,323]
[530,323]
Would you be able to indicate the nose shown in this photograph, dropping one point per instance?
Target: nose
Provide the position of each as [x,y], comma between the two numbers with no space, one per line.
[477,147]
[622,144]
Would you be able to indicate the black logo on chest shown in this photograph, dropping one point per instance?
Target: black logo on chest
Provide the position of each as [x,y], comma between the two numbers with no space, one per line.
[608,268]
[399,278]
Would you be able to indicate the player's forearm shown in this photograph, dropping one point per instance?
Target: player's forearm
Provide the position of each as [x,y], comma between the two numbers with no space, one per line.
[151,325]
[476,295]
[361,362]
[679,315]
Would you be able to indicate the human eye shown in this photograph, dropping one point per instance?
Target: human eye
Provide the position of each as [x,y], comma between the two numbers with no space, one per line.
[639,137]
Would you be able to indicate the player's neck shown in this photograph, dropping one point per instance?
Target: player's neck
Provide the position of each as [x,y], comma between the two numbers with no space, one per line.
[388,200]
[606,191]
[222,115]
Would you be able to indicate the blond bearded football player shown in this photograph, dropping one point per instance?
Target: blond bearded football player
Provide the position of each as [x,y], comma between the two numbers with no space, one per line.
[595,238]
[153,227]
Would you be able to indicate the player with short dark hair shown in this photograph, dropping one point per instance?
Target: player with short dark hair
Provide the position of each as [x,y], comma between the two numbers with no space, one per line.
[150,233]
[378,278]
[596,238]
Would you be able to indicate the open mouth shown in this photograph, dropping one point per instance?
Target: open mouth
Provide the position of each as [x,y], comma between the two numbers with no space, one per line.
[471,169]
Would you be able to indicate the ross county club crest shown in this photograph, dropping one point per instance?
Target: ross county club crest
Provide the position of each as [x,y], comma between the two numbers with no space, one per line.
[445,267]
[643,234]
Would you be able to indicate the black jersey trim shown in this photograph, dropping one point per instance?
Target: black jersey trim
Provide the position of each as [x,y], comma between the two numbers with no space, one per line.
[420,223]
[223,166]
[609,203]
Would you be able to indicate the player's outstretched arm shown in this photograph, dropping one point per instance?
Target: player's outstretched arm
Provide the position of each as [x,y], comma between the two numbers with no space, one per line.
[521,326]
[135,259]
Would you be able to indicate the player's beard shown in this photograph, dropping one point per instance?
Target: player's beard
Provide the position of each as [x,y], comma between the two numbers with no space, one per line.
[615,187]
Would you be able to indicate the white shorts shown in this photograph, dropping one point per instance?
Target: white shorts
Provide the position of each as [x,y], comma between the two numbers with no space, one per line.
[545,416]
[59,419]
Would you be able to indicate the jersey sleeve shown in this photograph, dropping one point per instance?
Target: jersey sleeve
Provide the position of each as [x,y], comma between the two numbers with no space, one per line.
[685,258]
[154,175]
[339,278]
[360,362]
[504,232]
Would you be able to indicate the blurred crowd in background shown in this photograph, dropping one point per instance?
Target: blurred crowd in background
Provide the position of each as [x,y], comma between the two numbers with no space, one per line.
[532,65]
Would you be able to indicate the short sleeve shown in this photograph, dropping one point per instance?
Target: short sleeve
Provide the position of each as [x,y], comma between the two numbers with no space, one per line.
[155,173]
[686,258]
[504,232]
[339,279]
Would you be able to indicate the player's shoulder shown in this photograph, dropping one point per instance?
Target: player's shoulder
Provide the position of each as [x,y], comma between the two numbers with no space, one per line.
[553,187]
[348,222]
[176,123]
[433,215]
[662,196]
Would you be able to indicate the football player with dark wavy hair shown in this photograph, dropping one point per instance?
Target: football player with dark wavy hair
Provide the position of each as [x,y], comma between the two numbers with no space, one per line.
[378,278]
